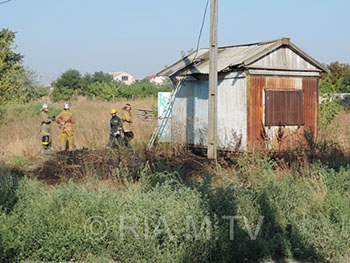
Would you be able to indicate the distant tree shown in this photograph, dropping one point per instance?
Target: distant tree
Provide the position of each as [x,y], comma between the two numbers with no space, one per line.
[11,69]
[116,89]
[336,71]
[344,82]
[33,90]
[100,76]
[97,77]
[326,85]
[17,84]
[66,85]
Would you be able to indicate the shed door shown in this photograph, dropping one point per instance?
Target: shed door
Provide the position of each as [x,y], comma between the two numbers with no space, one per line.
[284,107]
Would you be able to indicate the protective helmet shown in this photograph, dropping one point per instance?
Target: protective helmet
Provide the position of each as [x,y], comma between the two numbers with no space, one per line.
[45,106]
[113,111]
[66,106]
[127,105]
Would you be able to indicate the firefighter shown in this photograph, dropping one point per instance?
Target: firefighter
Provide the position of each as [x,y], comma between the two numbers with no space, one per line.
[127,124]
[65,119]
[116,130]
[45,127]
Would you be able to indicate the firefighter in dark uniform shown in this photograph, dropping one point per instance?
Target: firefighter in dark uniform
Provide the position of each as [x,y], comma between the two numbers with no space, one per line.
[116,130]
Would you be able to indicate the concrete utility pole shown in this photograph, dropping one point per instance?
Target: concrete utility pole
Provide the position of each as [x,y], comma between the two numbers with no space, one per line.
[213,81]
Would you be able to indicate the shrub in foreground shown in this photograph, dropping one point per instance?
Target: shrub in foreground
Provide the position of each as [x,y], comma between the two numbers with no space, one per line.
[82,221]
[224,217]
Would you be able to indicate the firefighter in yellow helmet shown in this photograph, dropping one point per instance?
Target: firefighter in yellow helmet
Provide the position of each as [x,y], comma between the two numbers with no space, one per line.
[127,124]
[65,119]
[116,130]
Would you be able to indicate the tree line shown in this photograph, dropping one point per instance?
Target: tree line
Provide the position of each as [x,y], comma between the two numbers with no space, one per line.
[17,83]
[102,86]
[337,80]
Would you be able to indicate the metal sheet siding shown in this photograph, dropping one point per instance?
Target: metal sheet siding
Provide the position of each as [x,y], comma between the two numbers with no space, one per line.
[245,73]
[284,107]
[232,114]
[241,109]
[199,134]
[165,128]
[232,56]
[184,62]
[256,85]
[283,58]
[310,87]
[190,114]
[283,83]
[181,114]
[257,131]
[276,55]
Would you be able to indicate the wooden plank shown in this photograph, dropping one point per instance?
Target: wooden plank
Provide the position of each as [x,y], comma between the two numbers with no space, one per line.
[146,115]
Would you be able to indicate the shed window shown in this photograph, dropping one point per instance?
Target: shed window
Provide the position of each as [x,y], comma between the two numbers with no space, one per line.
[284,107]
[125,78]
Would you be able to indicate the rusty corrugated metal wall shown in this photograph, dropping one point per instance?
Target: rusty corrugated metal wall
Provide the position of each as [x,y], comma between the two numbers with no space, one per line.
[256,87]
[284,107]
[310,88]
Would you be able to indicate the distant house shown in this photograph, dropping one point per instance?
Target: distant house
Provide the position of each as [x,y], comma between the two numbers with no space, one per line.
[267,96]
[156,79]
[123,77]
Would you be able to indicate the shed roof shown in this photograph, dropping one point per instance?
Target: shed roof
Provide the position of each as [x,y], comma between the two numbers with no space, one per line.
[238,56]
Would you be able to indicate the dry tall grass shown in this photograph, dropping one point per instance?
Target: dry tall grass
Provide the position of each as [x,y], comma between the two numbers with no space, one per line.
[91,129]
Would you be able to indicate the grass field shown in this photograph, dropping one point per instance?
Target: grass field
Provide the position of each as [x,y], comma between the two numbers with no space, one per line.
[20,137]
[181,207]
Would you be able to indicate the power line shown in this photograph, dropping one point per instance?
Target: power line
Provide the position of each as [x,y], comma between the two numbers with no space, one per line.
[200,32]
[3,2]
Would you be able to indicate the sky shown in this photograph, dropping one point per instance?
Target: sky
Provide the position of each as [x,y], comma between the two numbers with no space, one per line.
[143,37]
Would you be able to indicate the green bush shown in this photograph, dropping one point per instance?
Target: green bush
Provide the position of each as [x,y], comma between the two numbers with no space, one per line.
[328,111]
[102,86]
[299,215]
[2,115]
[22,111]
[14,112]
[8,185]
[162,217]
[304,216]
[222,218]
[77,222]
[118,90]
[66,85]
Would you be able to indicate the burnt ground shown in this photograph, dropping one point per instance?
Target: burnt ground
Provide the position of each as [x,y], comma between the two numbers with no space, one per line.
[56,167]
[60,167]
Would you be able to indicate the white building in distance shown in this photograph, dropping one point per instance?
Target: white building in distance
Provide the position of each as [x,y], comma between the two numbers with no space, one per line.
[123,77]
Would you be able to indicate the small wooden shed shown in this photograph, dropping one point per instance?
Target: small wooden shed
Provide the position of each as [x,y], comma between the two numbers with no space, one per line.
[267,96]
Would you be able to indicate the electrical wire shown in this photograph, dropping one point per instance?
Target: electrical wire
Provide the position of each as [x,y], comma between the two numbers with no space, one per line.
[200,32]
[3,2]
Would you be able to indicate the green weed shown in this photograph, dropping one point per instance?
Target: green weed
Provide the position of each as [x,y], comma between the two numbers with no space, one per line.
[223,217]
